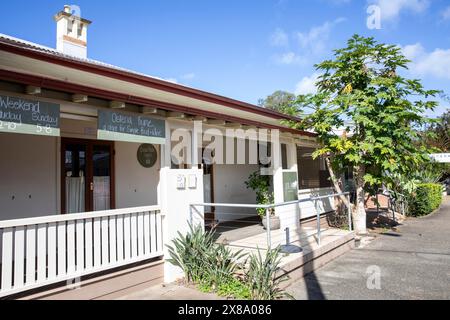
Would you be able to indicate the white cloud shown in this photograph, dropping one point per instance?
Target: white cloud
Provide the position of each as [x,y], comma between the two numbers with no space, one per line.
[279,38]
[435,63]
[391,9]
[446,13]
[307,85]
[289,58]
[308,44]
[314,41]
[413,51]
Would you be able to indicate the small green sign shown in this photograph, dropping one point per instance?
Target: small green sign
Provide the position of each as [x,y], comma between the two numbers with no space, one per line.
[120,126]
[290,186]
[26,116]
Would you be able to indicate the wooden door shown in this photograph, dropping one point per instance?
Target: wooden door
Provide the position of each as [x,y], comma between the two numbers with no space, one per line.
[87,175]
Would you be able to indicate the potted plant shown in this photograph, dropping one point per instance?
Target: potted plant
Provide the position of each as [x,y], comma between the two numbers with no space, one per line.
[261,185]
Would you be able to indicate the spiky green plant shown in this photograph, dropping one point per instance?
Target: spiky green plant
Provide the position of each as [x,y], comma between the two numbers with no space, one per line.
[190,252]
[222,264]
[202,260]
[261,276]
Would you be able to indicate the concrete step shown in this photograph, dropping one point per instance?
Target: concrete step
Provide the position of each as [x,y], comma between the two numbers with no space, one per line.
[313,256]
[334,242]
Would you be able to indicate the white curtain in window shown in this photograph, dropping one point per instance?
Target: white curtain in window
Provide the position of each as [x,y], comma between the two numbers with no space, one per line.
[101,193]
[75,194]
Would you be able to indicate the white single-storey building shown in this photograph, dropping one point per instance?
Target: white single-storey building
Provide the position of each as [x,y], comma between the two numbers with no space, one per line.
[90,171]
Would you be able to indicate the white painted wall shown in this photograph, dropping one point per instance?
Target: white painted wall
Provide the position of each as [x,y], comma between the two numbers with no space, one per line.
[229,187]
[28,173]
[135,185]
[29,167]
[175,206]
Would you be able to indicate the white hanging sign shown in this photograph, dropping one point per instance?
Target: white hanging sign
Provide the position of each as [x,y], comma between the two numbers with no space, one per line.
[441,157]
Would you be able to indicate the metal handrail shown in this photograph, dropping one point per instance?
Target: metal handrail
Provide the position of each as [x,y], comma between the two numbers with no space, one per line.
[276,205]
[390,193]
[267,206]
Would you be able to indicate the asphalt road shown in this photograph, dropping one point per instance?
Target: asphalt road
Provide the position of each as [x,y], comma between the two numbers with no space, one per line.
[413,263]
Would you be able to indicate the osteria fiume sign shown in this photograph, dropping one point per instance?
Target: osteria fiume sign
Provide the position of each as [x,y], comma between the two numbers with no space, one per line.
[121,126]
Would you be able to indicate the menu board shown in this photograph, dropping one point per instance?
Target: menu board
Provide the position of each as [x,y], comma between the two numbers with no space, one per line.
[120,126]
[26,116]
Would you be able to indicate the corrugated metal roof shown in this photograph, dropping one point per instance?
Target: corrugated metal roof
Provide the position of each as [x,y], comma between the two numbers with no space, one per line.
[40,48]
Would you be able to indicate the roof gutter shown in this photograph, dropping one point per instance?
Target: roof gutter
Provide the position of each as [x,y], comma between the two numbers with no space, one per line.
[105,94]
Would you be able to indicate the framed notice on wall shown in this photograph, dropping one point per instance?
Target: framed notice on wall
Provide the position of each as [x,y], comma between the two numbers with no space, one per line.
[26,116]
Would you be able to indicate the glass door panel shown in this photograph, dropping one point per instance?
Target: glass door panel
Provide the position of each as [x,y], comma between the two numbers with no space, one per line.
[101,161]
[74,172]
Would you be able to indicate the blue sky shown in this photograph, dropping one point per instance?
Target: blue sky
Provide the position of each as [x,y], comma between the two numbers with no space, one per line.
[243,49]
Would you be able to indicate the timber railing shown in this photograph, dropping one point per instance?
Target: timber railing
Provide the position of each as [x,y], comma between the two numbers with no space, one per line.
[45,250]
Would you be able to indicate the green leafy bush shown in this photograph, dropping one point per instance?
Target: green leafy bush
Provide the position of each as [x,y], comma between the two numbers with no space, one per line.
[261,185]
[234,288]
[428,197]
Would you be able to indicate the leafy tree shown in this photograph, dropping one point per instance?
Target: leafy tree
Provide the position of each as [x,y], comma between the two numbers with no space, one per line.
[377,111]
[280,101]
[437,134]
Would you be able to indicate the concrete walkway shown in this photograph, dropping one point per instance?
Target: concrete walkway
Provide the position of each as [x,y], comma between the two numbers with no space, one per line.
[170,292]
[414,263]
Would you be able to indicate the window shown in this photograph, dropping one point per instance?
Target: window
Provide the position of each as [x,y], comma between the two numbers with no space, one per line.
[311,173]
[284,159]
[80,30]
[69,26]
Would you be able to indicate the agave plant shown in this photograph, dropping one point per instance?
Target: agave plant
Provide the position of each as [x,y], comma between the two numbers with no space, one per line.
[201,259]
[190,252]
[222,264]
[262,278]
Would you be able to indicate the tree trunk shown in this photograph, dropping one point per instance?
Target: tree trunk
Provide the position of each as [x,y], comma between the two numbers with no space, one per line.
[359,213]
[335,182]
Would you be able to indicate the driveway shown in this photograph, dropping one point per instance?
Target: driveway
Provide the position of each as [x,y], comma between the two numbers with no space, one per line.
[413,263]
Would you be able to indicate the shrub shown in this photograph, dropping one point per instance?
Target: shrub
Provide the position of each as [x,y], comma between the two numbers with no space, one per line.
[261,185]
[428,197]
[261,276]
[234,288]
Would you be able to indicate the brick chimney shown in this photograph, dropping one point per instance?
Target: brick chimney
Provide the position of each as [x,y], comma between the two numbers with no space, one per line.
[71,32]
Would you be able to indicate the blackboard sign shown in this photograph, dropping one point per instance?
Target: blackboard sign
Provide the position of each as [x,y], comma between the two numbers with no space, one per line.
[120,126]
[19,115]
[147,155]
